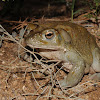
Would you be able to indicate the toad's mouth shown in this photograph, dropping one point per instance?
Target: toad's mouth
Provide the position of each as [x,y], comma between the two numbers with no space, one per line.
[50,48]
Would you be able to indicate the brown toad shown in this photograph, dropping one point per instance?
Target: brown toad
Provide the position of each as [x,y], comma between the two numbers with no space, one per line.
[68,42]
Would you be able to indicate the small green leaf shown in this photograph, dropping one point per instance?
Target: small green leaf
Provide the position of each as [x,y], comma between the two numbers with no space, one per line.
[88,16]
[77,11]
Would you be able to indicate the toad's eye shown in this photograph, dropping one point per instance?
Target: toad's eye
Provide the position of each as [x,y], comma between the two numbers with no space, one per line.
[49,35]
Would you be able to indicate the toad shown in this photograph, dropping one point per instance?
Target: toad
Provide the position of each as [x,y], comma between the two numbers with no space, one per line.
[68,42]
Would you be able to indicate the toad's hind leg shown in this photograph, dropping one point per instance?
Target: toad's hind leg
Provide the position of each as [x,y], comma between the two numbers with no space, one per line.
[96,64]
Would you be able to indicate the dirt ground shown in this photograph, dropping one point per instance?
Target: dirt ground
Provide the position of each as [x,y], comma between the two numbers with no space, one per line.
[21,80]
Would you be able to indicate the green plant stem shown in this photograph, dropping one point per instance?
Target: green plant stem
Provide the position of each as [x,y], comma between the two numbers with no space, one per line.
[73,4]
[96,14]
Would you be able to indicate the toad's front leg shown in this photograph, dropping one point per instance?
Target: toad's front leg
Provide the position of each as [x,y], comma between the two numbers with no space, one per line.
[76,73]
